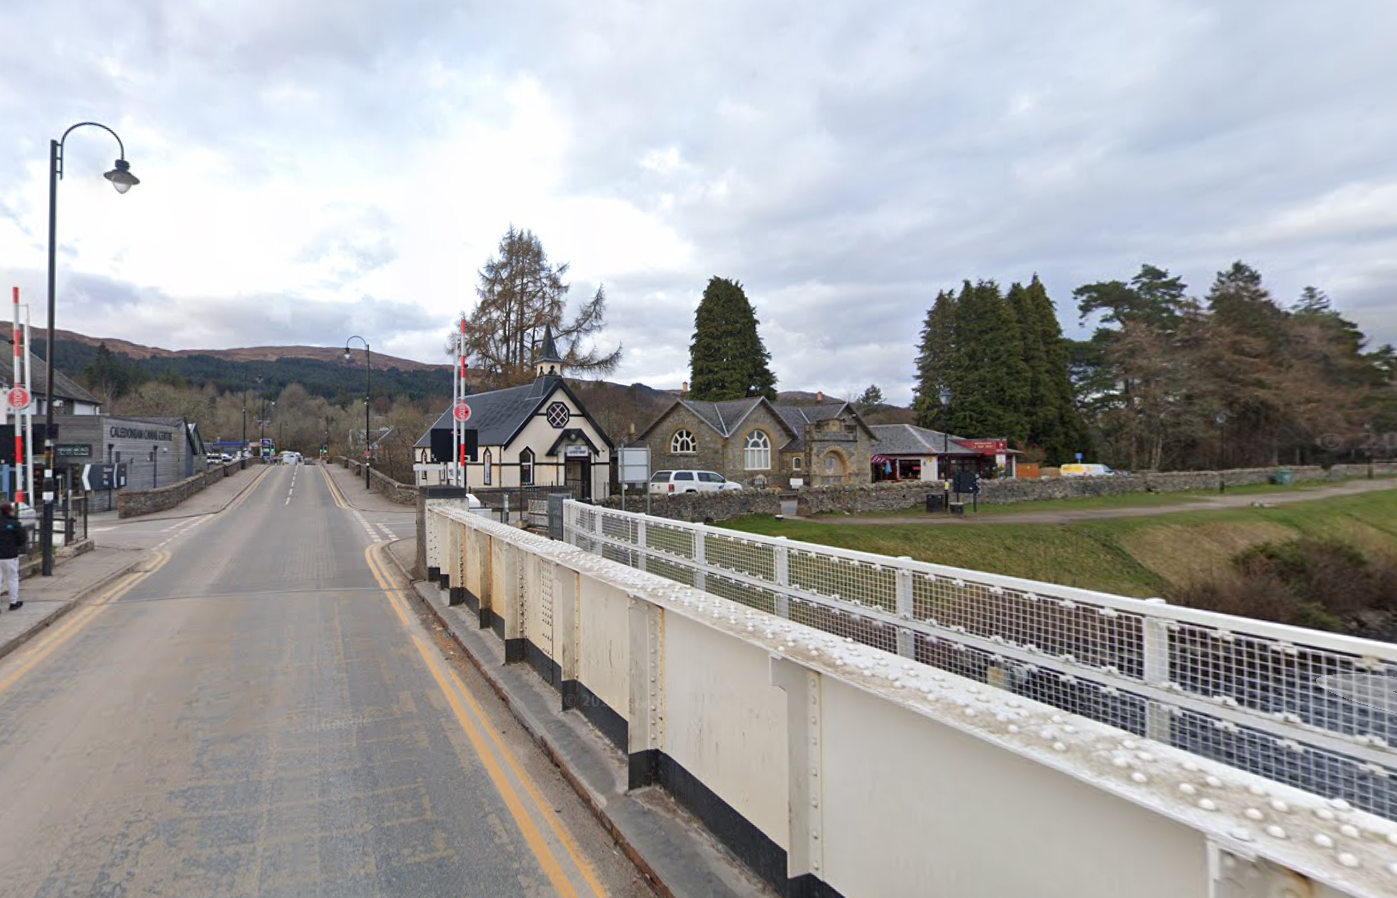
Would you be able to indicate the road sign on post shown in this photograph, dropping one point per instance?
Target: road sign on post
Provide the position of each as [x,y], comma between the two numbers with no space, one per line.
[19,398]
[461,412]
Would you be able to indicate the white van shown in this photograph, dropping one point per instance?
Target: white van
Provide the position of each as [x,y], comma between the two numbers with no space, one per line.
[1085,471]
[691,481]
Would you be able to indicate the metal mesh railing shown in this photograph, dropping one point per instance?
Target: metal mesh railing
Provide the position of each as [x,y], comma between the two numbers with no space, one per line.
[1313,710]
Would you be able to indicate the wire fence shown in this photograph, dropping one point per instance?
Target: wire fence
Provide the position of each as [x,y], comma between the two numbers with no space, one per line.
[1314,710]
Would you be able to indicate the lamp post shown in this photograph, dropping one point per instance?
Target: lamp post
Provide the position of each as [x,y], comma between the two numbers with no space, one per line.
[368,391]
[1221,418]
[154,467]
[945,396]
[122,180]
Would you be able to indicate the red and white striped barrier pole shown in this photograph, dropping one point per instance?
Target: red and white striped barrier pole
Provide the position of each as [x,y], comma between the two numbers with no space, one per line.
[17,381]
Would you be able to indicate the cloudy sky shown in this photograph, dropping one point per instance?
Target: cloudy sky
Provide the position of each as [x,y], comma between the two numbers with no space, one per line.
[314,169]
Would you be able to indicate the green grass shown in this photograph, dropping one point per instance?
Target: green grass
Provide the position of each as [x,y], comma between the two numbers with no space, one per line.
[1140,556]
[1126,500]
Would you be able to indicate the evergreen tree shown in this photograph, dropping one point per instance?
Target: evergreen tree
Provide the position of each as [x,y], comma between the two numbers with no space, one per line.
[870,400]
[727,359]
[1055,425]
[989,380]
[936,359]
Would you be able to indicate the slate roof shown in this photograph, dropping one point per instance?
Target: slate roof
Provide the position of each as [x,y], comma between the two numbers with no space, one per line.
[722,416]
[908,439]
[38,385]
[499,414]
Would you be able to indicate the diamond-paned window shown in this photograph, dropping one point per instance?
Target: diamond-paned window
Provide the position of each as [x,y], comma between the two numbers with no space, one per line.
[558,415]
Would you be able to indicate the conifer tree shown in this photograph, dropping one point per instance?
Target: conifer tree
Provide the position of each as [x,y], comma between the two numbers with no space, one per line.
[727,359]
[988,381]
[936,353]
[1055,425]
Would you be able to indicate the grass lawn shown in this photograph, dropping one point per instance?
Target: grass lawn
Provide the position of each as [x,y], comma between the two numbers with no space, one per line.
[1140,556]
[1127,500]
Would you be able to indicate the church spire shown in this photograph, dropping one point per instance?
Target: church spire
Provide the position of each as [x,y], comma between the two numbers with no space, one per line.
[549,363]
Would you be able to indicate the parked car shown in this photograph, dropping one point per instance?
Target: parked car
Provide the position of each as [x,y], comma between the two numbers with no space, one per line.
[691,481]
[1085,471]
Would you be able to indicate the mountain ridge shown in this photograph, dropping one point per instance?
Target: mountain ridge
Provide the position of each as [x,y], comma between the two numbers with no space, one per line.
[246,353]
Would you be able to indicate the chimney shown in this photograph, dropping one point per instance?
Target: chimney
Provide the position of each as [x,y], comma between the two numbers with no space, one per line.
[684,389]
[820,396]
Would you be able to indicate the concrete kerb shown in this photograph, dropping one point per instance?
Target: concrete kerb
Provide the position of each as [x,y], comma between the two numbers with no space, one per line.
[61,611]
[601,808]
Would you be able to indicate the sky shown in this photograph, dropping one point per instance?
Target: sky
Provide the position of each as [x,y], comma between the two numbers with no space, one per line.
[313,170]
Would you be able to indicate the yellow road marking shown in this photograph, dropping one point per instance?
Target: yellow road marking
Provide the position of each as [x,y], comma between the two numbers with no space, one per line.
[243,496]
[497,776]
[50,641]
[334,489]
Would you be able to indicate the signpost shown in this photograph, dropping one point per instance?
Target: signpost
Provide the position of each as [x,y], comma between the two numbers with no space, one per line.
[633,467]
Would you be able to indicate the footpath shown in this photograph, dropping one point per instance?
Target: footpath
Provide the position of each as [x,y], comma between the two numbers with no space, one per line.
[1193,502]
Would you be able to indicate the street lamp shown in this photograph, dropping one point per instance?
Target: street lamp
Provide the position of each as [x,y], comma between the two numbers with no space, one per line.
[122,180]
[1221,418]
[945,396]
[368,391]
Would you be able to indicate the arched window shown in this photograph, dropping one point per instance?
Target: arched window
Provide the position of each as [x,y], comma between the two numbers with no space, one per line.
[756,451]
[489,462]
[683,443]
[797,463]
[526,468]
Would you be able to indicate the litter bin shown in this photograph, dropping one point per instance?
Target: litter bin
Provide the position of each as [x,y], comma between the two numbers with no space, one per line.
[1283,477]
[935,501]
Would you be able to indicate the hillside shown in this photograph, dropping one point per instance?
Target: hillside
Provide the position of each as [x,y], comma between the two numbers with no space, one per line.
[334,354]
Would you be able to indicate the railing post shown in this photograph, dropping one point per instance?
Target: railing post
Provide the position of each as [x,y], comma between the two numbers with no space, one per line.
[1155,638]
[700,559]
[906,639]
[783,580]
[640,558]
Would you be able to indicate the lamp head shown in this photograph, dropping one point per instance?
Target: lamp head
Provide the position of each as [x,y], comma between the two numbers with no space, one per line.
[121,176]
[346,353]
[945,396]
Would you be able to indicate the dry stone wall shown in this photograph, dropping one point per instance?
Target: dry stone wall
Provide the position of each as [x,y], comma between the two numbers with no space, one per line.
[698,507]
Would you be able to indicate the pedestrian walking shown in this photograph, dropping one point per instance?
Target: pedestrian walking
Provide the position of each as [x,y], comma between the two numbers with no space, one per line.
[13,543]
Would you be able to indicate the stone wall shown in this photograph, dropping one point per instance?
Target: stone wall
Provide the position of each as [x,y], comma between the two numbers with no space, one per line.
[132,503]
[698,507]
[401,493]
[702,507]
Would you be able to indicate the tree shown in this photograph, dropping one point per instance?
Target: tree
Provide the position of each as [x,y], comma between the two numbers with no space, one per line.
[989,378]
[870,400]
[936,360]
[727,359]
[1054,424]
[521,292]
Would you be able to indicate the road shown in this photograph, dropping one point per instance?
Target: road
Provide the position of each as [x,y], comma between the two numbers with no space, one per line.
[259,710]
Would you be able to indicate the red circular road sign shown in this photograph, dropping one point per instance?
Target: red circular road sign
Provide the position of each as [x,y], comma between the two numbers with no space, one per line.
[19,398]
[461,412]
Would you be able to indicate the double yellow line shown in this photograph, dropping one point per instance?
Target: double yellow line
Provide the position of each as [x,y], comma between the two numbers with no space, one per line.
[334,488]
[50,642]
[494,754]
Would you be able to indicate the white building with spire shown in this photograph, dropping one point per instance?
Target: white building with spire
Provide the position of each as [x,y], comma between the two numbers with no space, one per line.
[534,435]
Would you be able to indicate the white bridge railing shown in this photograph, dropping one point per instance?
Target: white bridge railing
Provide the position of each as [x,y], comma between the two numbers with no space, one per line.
[1313,710]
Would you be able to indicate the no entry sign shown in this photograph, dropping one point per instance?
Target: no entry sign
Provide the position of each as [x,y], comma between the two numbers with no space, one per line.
[461,412]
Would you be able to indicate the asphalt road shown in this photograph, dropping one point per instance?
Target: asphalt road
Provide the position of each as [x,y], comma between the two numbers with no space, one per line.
[259,710]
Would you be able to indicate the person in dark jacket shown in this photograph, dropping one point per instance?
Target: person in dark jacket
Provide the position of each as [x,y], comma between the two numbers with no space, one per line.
[13,542]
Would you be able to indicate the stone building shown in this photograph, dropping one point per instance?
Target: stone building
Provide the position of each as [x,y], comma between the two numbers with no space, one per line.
[759,443]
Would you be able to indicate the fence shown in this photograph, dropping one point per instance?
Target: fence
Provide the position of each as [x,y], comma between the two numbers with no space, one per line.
[1313,710]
